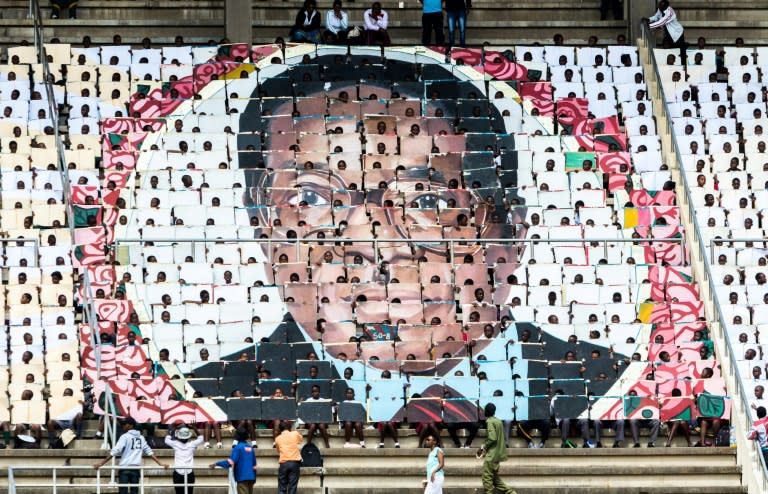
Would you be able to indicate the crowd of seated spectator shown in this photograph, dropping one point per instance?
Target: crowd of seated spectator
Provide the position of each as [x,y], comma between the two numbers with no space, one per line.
[716,99]
[208,312]
[339,28]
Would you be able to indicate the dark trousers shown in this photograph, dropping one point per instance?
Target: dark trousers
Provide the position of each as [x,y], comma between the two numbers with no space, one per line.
[680,44]
[178,480]
[379,37]
[471,428]
[651,424]
[58,5]
[429,22]
[565,428]
[611,5]
[245,487]
[128,477]
[288,477]
[526,427]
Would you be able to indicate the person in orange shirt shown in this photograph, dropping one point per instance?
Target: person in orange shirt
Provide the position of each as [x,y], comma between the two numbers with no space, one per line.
[288,443]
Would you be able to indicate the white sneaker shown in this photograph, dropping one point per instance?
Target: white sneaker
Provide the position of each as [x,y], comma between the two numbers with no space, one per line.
[253,443]
[234,443]
[219,445]
[207,445]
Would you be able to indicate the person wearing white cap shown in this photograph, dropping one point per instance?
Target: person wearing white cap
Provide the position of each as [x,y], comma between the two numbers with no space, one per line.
[183,460]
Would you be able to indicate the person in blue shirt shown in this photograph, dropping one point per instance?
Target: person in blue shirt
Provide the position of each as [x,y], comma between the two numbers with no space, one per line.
[242,461]
[432,19]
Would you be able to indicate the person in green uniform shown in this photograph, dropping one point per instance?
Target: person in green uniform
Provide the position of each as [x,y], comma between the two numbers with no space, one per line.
[494,451]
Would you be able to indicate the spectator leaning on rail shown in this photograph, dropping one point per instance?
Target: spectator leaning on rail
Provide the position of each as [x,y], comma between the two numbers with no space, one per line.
[759,431]
[130,447]
[242,461]
[673,31]
[183,451]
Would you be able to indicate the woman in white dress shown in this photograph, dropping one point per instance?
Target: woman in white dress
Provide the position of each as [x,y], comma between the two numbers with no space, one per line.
[433,484]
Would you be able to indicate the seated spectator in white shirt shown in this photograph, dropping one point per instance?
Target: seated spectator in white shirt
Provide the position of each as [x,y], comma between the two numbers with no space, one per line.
[376,23]
[336,25]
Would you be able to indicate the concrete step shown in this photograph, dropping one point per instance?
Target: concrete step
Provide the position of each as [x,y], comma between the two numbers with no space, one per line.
[196,31]
[451,489]
[574,456]
[729,10]
[752,31]
[500,34]
[202,20]
[408,438]
[286,11]
[679,470]
[447,489]
[690,10]
[193,31]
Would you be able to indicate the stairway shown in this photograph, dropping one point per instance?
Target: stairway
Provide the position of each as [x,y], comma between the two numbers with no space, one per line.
[200,21]
[383,471]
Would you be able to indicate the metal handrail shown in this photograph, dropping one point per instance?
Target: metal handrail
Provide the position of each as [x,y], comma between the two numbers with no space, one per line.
[61,471]
[718,317]
[449,242]
[341,240]
[110,426]
[722,241]
[89,310]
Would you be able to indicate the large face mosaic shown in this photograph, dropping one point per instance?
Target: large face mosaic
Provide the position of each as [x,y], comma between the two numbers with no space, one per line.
[359,220]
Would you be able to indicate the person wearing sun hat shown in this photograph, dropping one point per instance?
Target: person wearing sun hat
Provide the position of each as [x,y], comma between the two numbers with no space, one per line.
[183,447]
[130,448]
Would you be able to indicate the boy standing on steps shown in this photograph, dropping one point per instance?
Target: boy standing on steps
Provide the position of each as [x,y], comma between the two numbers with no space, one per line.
[130,448]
